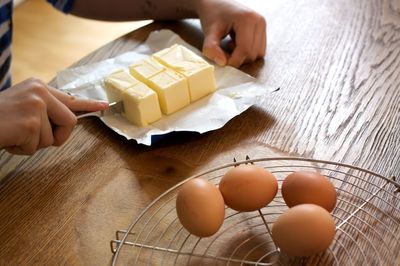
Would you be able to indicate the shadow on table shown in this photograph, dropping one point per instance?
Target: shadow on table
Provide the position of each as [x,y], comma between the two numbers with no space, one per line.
[178,155]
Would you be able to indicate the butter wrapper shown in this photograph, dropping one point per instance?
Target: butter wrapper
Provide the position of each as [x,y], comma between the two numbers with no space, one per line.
[236,92]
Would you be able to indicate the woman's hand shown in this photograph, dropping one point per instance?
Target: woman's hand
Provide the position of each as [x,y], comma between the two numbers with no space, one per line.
[34,116]
[247,28]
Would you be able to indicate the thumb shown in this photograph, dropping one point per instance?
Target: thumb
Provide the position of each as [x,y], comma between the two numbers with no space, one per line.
[212,48]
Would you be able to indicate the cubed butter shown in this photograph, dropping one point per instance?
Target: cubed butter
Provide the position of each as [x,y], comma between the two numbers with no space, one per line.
[199,74]
[172,90]
[116,83]
[141,105]
[145,69]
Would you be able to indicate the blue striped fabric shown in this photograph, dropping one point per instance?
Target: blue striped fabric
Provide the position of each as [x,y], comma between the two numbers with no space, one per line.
[6,9]
[63,5]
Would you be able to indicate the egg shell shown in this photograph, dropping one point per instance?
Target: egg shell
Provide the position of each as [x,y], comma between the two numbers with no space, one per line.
[200,207]
[248,188]
[304,230]
[309,187]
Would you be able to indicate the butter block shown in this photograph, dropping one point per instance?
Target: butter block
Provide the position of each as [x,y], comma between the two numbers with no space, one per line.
[145,69]
[116,83]
[141,105]
[199,74]
[172,90]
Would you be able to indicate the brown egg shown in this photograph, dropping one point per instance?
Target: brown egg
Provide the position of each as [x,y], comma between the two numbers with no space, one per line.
[200,207]
[304,230]
[309,187]
[248,188]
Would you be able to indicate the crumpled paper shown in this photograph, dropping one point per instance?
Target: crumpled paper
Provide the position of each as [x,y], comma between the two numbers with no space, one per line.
[236,92]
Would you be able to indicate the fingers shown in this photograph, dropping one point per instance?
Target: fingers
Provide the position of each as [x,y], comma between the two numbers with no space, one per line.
[211,45]
[263,46]
[28,148]
[62,133]
[61,104]
[29,144]
[18,150]
[259,41]
[77,104]
[244,45]
[250,34]
[46,132]
[61,117]
[59,111]
[246,27]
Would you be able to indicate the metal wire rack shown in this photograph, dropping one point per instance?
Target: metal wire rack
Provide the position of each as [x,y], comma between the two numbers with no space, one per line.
[367,217]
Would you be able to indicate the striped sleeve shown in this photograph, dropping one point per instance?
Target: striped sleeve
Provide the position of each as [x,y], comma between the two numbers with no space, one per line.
[6,8]
[63,5]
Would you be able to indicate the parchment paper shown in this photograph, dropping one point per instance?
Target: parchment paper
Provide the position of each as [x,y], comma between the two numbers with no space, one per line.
[236,92]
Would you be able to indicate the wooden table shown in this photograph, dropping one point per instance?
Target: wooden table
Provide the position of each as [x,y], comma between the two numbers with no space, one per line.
[337,64]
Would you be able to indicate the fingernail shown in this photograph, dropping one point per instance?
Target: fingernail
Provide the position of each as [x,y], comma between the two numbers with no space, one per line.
[104,103]
[220,61]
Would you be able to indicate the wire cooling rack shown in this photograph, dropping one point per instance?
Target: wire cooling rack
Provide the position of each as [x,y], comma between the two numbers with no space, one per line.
[367,218]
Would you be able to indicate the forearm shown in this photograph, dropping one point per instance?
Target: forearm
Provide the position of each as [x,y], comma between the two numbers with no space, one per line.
[127,10]
[219,18]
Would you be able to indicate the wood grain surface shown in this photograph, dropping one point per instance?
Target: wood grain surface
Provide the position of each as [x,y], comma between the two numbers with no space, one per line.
[337,67]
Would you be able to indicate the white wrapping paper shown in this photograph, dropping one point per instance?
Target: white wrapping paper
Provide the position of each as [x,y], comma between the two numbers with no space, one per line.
[236,92]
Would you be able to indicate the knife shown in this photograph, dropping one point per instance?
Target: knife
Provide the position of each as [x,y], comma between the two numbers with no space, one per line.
[114,107]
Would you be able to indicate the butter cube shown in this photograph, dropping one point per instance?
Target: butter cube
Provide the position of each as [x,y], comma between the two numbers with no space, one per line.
[199,74]
[145,69]
[116,83]
[172,90]
[141,105]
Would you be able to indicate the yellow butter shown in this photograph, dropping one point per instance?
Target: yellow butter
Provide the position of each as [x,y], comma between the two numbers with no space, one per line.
[116,83]
[172,90]
[199,74]
[141,105]
[145,69]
